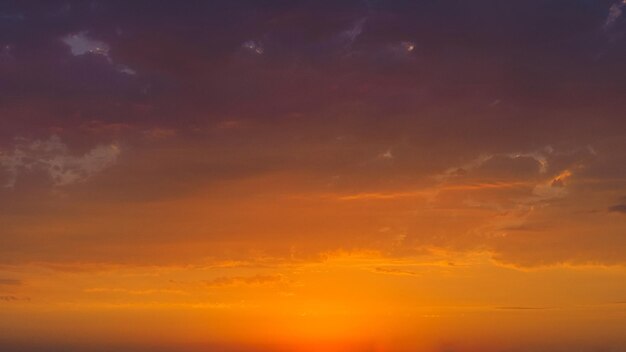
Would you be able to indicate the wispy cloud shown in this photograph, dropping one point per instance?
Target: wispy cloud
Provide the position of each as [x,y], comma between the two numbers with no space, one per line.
[54,158]
[81,43]
[615,13]
[351,34]
[619,207]
[11,298]
[522,308]
[10,282]
[224,281]
[395,271]
[133,291]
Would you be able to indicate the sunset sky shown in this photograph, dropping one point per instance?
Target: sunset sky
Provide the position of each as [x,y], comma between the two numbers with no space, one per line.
[373,175]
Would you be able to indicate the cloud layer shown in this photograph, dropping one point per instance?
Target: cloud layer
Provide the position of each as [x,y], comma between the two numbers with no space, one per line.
[276,130]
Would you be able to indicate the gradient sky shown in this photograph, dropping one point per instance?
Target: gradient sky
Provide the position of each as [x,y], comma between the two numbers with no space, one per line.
[374,175]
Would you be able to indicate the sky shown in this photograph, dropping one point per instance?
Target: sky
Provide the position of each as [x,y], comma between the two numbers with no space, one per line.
[373,175]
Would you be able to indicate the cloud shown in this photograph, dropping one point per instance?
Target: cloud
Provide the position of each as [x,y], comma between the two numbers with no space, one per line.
[509,165]
[11,298]
[619,207]
[10,282]
[256,280]
[12,17]
[351,34]
[512,166]
[125,69]
[138,292]
[157,133]
[386,155]
[346,38]
[253,46]
[554,188]
[407,46]
[431,107]
[540,176]
[522,308]
[54,158]
[395,271]
[80,44]
[615,13]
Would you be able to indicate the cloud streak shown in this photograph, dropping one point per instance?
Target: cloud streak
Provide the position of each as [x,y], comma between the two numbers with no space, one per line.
[10,282]
[256,280]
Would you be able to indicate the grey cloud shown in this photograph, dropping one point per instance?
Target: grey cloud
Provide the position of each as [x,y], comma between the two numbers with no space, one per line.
[618,208]
[54,158]
[346,38]
[253,46]
[80,44]
[615,13]
[354,32]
